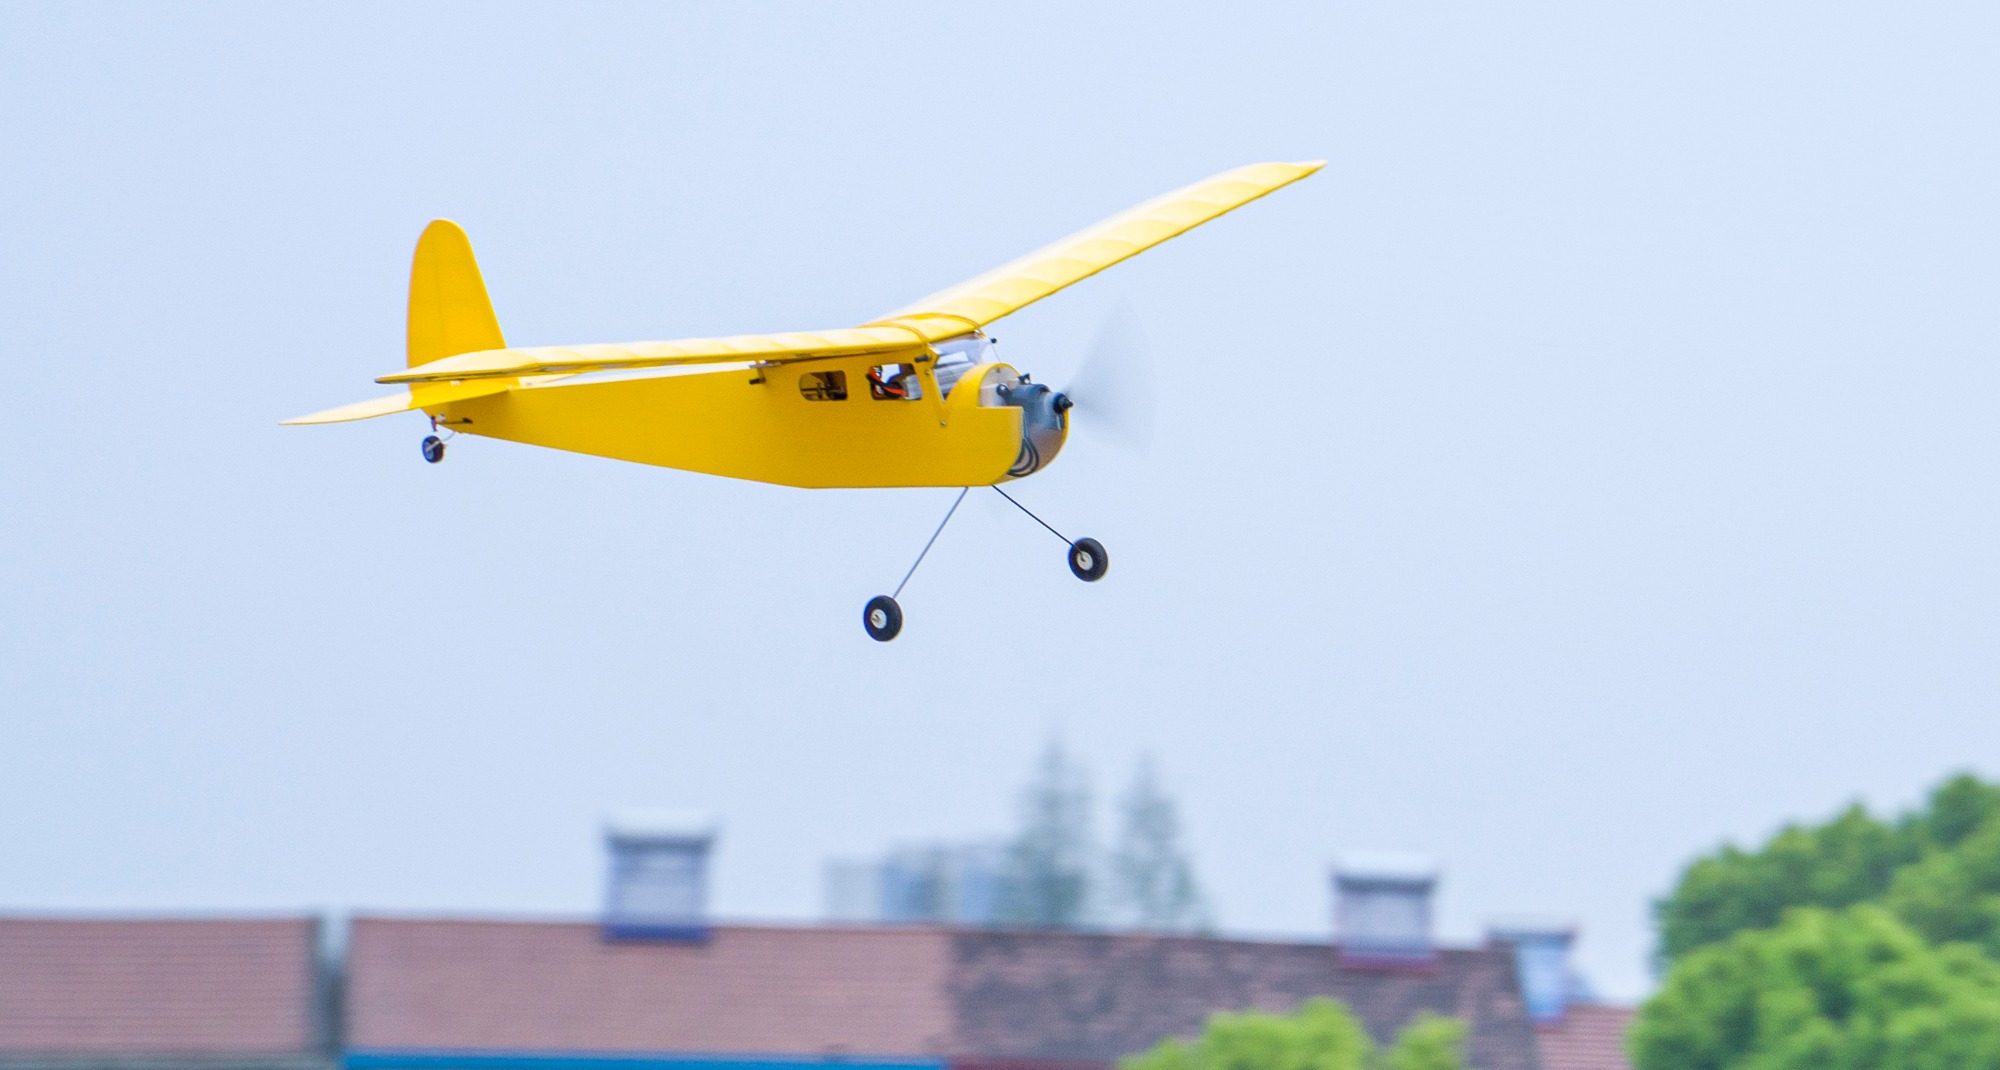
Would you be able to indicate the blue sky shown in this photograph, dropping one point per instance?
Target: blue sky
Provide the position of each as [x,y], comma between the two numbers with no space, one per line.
[1596,461]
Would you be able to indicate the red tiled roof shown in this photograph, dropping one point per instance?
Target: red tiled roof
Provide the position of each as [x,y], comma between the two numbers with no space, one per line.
[1589,1037]
[1008,998]
[1097,996]
[563,987]
[158,987]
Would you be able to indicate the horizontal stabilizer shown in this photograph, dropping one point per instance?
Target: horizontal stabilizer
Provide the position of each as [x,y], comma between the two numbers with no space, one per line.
[431,397]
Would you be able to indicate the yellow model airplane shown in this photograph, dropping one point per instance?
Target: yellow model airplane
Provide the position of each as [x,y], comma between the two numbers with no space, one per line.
[915,398]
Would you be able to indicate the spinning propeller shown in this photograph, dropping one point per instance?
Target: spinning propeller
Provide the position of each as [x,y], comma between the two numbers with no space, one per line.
[1113,385]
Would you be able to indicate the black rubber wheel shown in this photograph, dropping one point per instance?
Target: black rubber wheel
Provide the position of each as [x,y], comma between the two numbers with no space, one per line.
[883,618]
[1088,560]
[433,449]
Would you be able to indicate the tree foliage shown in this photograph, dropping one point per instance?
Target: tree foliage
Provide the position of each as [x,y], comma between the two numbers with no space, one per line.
[1152,879]
[1954,893]
[1842,862]
[1859,942]
[1825,990]
[1053,870]
[1321,1035]
[1049,861]
[1432,1042]
[1938,867]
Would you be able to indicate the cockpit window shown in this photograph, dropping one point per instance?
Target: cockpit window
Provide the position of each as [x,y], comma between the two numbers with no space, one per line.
[956,356]
[824,386]
[894,382]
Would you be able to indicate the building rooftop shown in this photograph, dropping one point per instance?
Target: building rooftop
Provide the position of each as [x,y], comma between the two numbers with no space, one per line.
[161,990]
[1589,1037]
[992,997]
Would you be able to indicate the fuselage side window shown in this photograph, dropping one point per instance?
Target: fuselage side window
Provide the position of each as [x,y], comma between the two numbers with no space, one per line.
[824,386]
[894,382]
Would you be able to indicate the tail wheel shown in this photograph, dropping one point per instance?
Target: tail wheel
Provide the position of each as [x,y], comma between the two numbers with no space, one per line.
[1088,560]
[433,449]
[883,618]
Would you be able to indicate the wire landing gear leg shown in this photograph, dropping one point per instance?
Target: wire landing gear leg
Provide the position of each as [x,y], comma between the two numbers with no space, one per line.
[883,616]
[1088,560]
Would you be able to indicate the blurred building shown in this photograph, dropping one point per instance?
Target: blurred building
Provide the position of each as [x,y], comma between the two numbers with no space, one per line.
[1572,1030]
[164,994]
[953,884]
[924,983]
[1382,908]
[1588,1036]
[658,881]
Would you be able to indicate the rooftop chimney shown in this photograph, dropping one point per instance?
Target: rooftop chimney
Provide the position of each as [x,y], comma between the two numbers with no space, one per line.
[659,874]
[1382,908]
[1541,962]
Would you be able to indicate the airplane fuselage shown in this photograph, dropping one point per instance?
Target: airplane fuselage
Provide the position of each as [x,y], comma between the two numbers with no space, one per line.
[823,423]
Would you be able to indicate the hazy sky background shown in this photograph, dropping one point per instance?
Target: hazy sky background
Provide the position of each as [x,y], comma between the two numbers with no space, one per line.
[1594,462]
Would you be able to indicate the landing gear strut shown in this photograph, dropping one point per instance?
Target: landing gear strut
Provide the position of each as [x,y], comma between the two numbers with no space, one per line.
[1087,559]
[882,616]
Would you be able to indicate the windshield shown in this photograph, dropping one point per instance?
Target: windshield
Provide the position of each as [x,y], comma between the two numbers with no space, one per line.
[956,356]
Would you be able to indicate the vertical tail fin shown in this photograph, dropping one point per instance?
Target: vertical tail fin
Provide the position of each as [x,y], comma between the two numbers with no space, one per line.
[449,310]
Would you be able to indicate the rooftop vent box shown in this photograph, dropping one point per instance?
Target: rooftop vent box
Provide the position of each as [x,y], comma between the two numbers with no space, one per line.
[1382,909]
[1542,964]
[658,886]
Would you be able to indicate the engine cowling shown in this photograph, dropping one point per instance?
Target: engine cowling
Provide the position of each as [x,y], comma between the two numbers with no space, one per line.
[1044,418]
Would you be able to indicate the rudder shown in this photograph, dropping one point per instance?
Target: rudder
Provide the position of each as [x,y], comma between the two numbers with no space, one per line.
[449,310]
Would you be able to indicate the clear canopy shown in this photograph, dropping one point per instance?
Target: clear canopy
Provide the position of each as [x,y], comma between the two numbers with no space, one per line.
[956,356]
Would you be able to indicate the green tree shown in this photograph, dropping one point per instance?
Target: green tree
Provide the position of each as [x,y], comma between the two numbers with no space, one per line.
[1959,808]
[1152,880]
[1937,866]
[1824,990]
[1844,861]
[1953,893]
[1048,863]
[1431,1042]
[1321,1035]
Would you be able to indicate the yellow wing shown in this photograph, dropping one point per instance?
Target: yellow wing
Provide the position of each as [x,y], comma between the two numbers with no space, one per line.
[1011,287]
[963,308]
[563,360]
